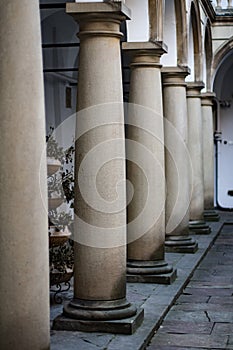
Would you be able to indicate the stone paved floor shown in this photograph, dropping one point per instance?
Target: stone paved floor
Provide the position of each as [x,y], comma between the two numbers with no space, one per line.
[211,328]
[202,317]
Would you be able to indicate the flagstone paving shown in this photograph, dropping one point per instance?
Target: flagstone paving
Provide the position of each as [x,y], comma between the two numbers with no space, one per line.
[202,317]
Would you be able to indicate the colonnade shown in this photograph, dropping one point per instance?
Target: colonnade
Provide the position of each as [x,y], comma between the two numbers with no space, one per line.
[167,183]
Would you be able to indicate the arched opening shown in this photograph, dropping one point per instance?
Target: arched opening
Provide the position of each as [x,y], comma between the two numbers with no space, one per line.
[195,44]
[156,18]
[169,35]
[181,31]
[208,51]
[222,86]
[60,64]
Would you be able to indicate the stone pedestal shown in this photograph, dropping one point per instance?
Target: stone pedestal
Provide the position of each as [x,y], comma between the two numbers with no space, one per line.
[24,282]
[145,167]
[208,156]
[195,145]
[100,191]
[178,162]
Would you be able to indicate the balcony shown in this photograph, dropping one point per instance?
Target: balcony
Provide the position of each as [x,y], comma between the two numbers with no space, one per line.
[223,7]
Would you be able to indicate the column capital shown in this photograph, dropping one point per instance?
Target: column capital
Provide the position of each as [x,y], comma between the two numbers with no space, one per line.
[145,53]
[207,98]
[102,8]
[89,15]
[194,88]
[175,76]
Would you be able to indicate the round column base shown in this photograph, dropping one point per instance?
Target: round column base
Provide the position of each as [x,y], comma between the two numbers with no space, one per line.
[211,215]
[99,310]
[150,271]
[180,244]
[148,267]
[199,227]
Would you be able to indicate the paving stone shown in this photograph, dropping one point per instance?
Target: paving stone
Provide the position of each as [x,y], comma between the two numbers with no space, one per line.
[190,340]
[230,342]
[225,316]
[182,327]
[73,340]
[211,274]
[162,347]
[200,307]
[223,328]
[193,298]
[209,291]
[214,285]
[221,300]
[192,316]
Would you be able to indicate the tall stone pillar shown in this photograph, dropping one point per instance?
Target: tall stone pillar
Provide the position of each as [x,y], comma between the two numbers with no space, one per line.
[24,282]
[100,205]
[178,162]
[208,156]
[145,167]
[195,145]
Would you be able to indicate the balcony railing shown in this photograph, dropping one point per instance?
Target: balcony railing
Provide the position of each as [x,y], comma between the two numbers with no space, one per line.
[221,5]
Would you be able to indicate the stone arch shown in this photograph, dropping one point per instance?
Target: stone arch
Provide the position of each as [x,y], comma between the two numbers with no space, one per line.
[181,32]
[197,40]
[175,33]
[170,34]
[208,54]
[222,52]
[156,19]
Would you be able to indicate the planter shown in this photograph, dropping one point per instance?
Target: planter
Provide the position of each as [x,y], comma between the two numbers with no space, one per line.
[60,277]
[54,203]
[58,239]
[53,165]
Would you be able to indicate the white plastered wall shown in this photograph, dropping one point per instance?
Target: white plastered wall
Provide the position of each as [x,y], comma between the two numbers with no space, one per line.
[169,36]
[138,26]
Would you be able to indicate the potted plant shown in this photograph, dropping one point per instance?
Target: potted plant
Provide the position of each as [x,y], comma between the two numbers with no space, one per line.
[60,190]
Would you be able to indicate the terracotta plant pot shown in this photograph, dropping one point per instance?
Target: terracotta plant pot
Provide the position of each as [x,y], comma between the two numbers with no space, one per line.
[53,165]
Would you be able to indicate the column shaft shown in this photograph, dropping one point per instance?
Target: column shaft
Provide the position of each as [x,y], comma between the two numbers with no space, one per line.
[100,191]
[145,165]
[178,162]
[195,144]
[24,282]
[208,149]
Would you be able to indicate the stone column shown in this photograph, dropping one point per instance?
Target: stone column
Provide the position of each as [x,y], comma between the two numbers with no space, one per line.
[100,205]
[208,156]
[195,145]
[24,282]
[178,162]
[145,167]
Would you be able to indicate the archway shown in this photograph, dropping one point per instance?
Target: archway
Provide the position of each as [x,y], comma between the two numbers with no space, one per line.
[222,86]
[195,44]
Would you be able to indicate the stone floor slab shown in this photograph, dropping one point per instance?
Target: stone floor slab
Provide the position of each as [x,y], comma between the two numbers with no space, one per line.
[223,328]
[200,307]
[190,340]
[208,291]
[192,316]
[182,327]
[193,298]
[221,300]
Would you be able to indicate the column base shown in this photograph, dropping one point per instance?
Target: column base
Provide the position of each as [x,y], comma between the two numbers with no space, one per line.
[116,316]
[199,227]
[211,215]
[180,244]
[150,272]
